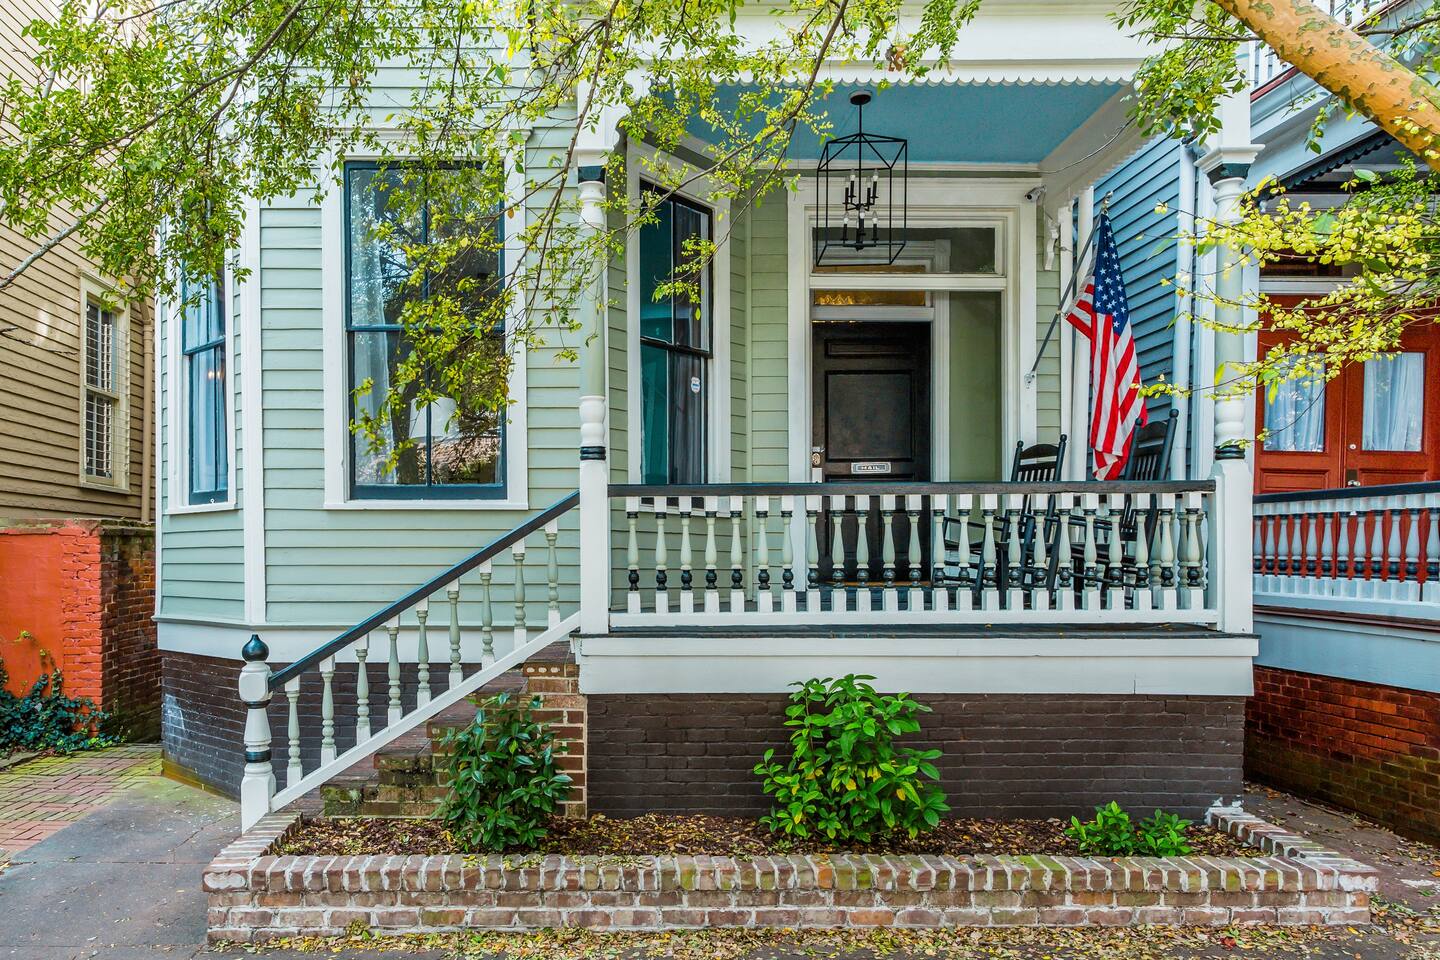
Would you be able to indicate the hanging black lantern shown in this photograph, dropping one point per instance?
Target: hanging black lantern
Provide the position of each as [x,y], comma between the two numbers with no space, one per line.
[861,183]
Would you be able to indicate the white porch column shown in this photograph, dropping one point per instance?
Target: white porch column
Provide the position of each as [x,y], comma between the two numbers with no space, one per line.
[594,470]
[1078,454]
[1227,164]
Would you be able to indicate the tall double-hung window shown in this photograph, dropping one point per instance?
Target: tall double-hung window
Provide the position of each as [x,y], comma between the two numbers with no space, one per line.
[202,346]
[452,447]
[103,447]
[675,344]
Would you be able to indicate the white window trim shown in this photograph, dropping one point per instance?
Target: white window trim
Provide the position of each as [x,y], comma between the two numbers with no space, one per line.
[336,407]
[998,202]
[177,494]
[699,189]
[92,287]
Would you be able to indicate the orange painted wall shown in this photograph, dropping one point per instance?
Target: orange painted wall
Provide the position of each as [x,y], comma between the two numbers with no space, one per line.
[49,586]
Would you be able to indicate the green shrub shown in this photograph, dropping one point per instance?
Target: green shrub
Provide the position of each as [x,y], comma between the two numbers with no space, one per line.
[845,778]
[503,781]
[47,719]
[1113,834]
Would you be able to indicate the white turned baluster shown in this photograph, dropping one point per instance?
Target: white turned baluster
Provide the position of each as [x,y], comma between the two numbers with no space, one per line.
[487,615]
[394,710]
[890,599]
[422,653]
[552,573]
[687,572]
[812,554]
[838,593]
[1090,588]
[1312,545]
[914,599]
[1432,553]
[862,554]
[1282,545]
[294,770]
[1115,589]
[787,554]
[521,630]
[632,555]
[1014,594]
[1297,542]
[1165,553]
[327,710]
[1342,545]
[362,690]
[1257,540]
[1270,556]
[452,596]
[1393,546]
[1064,555]
[764,601]
[737,554]
[1190,553]
[712,557]
[1327,542]
[1377,542]
[1040,591]
[939,592]
[969,578]
[1141,597]
[1411,570]
[989,568]
[662,559]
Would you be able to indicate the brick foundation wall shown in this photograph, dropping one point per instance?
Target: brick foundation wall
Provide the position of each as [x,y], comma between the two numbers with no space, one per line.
[1367,747]
[1039,755]
[85,591]
[255,896]
[557,684]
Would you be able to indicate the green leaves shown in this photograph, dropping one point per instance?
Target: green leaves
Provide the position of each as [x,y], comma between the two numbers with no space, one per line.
[1112,834]
[46,718]
[845,778]
[504,784]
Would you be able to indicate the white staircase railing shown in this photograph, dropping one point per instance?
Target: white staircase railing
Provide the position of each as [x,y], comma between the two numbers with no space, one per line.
[518,640]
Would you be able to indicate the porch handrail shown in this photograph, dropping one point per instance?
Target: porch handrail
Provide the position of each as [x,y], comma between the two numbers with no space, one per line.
[863,488]
[426,589]
[1350,493]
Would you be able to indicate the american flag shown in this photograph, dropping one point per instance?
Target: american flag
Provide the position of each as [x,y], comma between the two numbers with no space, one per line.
[1101,314]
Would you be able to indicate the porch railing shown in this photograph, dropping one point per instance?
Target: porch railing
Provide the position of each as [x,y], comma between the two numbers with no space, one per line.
[1366,549]
[875,552]
[501,585]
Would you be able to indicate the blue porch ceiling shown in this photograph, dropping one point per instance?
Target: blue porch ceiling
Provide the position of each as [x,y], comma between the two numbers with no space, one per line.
[959,123]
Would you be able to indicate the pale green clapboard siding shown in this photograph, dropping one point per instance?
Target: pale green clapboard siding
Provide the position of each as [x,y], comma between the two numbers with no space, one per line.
[975,399]
[1047,375]
[202,562]
[769,333]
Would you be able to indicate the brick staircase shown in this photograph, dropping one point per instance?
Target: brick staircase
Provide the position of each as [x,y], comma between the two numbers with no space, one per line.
[409,777]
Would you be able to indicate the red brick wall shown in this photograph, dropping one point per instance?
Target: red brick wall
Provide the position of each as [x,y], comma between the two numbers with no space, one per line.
[85,592]
[1366,747]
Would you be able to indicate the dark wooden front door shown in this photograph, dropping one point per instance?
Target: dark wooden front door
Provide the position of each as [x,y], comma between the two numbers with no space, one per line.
[871,424]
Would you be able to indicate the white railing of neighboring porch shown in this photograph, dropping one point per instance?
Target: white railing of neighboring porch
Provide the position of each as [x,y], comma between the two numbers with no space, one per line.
[1373,550]
[753,554]
[502,578]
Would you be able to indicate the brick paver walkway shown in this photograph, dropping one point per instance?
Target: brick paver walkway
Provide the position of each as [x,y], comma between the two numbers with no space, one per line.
[43,796]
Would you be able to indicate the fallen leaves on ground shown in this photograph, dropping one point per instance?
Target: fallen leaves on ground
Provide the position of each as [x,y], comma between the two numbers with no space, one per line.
[714,836]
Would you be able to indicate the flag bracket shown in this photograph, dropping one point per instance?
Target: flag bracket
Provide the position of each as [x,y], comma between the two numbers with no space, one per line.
[1069,292]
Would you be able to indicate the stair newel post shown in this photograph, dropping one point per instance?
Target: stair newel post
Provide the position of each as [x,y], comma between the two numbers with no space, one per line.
[737,556]
[521,631]
[552,573]
[632,555]
[662,559]
[327,710]
[487,614]
[452,596]
[712,557]
[939,594]
[889,600]
[294,770]
[422,653]
[1064,555]
[764,600]
[687,565]
[362,689]
[812,554]
[989,569]
[258,783]
[393,710]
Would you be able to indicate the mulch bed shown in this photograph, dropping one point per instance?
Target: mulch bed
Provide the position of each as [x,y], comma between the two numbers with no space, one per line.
[714,836]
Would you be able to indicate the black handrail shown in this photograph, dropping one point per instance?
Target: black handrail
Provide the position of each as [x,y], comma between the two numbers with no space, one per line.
[901,488]
[1350,493]
[487,552]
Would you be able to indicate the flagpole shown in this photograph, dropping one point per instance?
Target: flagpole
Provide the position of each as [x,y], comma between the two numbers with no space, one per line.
[1069,292]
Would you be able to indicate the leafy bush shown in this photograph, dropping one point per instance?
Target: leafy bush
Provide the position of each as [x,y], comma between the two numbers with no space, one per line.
[503,781]
[845,778]
[47,719]
[1113,834]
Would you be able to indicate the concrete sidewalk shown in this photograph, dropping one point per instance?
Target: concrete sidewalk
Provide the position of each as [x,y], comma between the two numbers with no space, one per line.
[122,882]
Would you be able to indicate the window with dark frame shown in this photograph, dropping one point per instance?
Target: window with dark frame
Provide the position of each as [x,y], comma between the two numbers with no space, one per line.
[675,345]
[206,427]
[456,449]
[102,391]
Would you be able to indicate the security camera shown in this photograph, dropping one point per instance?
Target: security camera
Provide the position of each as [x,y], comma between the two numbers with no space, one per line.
[1035,194]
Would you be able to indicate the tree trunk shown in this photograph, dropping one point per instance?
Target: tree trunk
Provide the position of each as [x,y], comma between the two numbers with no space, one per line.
[1349,66]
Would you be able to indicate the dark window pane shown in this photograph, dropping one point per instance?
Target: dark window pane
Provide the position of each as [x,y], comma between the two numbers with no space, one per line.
[375,355]
[687,419]
[382,222]
[206,415]
[655,414]
[656,267]
[691,308]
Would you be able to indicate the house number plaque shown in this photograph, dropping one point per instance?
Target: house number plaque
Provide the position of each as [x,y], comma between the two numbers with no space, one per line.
[870,466]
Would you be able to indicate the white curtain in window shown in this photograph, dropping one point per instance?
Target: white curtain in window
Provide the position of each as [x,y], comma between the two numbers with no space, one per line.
[1394,402]
[1295,416]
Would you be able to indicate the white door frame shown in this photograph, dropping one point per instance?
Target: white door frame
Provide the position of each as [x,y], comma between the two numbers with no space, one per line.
[932,203]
